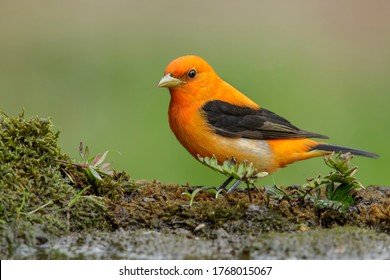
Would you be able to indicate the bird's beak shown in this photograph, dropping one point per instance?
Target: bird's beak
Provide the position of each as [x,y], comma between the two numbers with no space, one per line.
[169,81]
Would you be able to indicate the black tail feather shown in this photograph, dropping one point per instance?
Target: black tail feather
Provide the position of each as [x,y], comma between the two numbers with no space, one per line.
[337,149]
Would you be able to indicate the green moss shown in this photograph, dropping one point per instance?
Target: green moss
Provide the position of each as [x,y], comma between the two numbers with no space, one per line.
[35,194]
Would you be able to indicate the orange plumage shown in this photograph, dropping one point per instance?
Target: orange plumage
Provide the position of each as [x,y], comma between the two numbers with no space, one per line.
[210,117]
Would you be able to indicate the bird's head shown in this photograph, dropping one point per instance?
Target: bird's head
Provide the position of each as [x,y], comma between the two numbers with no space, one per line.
[187,75]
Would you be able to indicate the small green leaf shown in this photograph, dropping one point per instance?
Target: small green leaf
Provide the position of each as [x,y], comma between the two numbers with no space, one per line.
[330,161]
[81,150]
[186,194]
[86,154]
[218,193]
[193,195]
[261,174]
[250,170]
[351,171]
[241,169]
[214,161]
[94,173]
[226,164]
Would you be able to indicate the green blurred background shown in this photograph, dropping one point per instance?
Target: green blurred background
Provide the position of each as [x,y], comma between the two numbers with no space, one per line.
[93,66]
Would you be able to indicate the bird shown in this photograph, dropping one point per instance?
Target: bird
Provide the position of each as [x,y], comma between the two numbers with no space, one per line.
[210,117]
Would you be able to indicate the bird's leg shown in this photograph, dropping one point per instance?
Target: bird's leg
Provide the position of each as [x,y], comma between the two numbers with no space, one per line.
[235,185]
[224,184]
[249,192]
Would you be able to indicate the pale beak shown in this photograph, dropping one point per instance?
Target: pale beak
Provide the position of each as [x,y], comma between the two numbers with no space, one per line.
[169,81]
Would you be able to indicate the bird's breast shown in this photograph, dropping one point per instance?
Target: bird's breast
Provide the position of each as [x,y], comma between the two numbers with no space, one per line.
[192,130]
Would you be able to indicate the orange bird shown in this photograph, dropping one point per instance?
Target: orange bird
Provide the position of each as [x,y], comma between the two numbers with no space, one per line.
[210,117]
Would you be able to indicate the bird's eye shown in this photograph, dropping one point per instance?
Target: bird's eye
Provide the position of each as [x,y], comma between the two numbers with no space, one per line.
[192,73]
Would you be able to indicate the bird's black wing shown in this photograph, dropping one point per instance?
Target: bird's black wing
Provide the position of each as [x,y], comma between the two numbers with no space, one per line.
[235,121]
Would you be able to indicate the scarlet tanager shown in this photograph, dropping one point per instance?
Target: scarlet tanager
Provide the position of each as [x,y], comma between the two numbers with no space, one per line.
[210,117]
